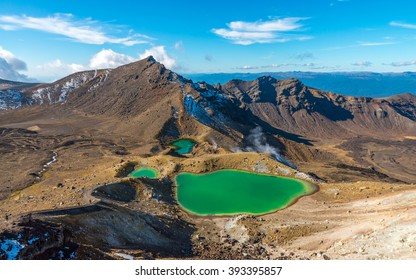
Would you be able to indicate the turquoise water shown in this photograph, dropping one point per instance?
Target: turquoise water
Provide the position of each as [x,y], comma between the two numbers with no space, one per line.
[183,146]
[230,192]
[145,172]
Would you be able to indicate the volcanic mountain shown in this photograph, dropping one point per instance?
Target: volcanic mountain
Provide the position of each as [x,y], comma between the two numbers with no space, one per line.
[293,107]
[147,89]
[61,141]
[146,101]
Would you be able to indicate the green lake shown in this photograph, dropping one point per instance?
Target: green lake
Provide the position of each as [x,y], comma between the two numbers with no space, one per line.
[230,192]
[183,146]
[145,172]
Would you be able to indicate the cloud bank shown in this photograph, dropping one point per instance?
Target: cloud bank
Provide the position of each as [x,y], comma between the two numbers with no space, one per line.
[402,63]
[108,58]
[363,63]
[161,55]
[10,67]
[58,69]
[247,33]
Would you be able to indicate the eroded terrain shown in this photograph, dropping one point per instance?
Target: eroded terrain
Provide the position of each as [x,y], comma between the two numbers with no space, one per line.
[67,149]
[358,213]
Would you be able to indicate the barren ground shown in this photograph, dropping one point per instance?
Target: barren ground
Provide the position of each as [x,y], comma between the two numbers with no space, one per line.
[365,207]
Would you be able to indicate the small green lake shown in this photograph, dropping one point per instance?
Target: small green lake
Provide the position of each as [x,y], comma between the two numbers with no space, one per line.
[144,172]
[230,192]
[183,146]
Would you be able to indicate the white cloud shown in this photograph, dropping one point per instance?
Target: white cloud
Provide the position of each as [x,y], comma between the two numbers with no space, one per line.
[284,24]
[361,44]
[245,38]
[403,25]
[275,65]
[374,44]
[160,54]
[303,56]
[107,58]
[247,33]
[85,31]
[363,63]
[247,67]
[57,69]
[308,65]
[10,66]
[402,63]
[8,73]
[178,45]
[16,63]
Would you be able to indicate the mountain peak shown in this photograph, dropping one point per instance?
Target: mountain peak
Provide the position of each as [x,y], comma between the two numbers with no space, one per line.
[266,78]
[141,62]
[150,58]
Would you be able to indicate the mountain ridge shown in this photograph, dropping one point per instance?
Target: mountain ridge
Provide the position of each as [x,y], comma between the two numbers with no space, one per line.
[347,83]
[67,140]
[146,89]
[294,107]
[71,82]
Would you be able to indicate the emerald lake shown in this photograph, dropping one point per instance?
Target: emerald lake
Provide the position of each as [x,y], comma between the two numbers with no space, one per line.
[183,146]
[144,172]
[230,192]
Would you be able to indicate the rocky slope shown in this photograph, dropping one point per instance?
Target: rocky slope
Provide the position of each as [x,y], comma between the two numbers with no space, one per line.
[157,105]
[6,84]
[405,104]
[291,106]
[140,88]
[11,95]
[73,138]
[346,83]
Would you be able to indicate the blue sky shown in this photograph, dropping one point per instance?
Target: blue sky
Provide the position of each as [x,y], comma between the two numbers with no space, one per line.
[46,40]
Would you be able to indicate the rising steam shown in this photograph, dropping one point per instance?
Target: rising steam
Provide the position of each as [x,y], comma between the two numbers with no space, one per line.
[258,143]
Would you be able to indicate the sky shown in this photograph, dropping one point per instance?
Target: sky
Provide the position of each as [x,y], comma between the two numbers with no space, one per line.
[47,39]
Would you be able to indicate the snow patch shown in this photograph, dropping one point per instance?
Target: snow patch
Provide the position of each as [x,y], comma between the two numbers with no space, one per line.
[12,248]
[204,110]
[54,159]
[43,95]
[125,256]
[208,92]
[10,99]
[59,92]
[100,80]
[71,85]
[45,167]
[34,239]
